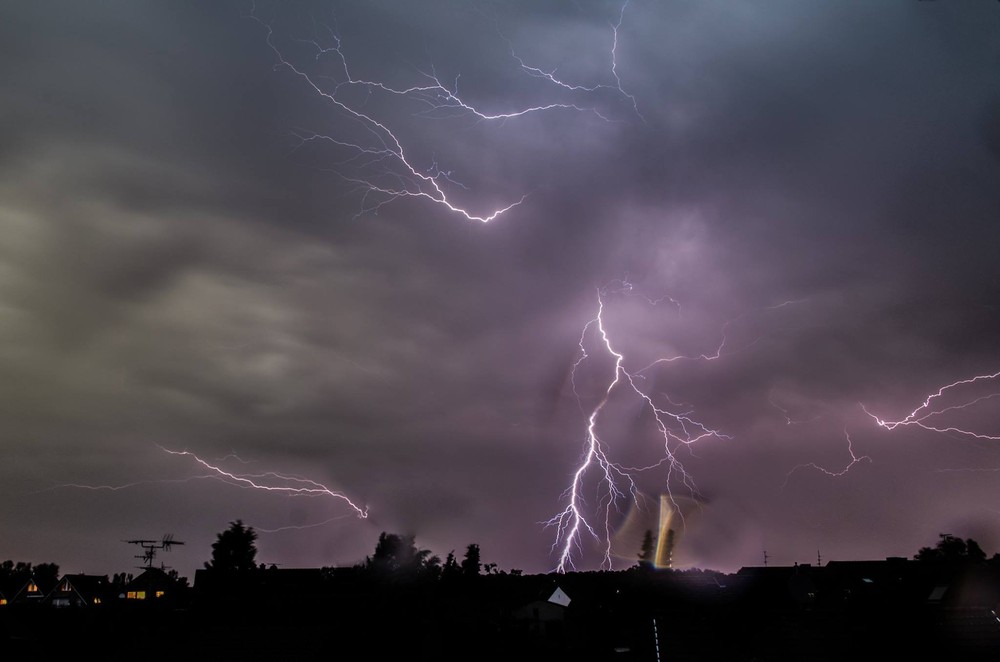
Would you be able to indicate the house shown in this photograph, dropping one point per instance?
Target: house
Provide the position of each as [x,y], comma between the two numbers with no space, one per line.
[32,591]
[545,615]
[79,591]
[968,600]
[152,584]
[778,585]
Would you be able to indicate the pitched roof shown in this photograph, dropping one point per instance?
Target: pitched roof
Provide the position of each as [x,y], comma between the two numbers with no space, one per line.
[79,589]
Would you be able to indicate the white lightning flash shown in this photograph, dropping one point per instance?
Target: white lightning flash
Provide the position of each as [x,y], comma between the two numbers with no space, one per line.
[855,459]
[271,481]
[617,482]
[929,413]
[268,481]
[380,165]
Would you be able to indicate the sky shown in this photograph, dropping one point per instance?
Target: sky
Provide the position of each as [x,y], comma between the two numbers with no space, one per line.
[736,237]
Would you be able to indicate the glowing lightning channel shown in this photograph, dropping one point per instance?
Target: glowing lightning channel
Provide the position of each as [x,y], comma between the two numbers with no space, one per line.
[922,415]
[787,414]
[677,429]
[550,76]
[855,459]
[292,485]
[386,171]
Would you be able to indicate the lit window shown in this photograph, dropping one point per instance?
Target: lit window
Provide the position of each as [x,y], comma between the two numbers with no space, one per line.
[159,594]
[97,601]
[32,587]
[64,587]
[3,601]
[140,595]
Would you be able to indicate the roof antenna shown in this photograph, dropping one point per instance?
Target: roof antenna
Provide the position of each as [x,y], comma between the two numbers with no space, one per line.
[150,546]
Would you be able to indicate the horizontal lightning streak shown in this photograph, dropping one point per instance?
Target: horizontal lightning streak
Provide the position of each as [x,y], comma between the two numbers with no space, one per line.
[919,416]
[299,486]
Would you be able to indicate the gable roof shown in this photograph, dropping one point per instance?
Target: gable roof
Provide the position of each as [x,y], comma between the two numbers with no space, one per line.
[31,591]
[79,590]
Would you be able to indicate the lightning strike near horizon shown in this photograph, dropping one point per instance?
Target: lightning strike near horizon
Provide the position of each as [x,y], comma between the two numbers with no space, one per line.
[934,407]
[383,165]
[616,482]
[271,481]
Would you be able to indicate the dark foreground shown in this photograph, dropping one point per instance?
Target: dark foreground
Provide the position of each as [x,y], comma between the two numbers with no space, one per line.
[892,609]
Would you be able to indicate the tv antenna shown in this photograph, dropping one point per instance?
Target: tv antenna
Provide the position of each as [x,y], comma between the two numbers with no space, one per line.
[150,548]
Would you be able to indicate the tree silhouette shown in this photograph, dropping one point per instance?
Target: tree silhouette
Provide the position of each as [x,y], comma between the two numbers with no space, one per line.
[951,548]
[647,552]
[17,574]
[470,564]
[47,574]
[399,555]
[234,550]
[451,570]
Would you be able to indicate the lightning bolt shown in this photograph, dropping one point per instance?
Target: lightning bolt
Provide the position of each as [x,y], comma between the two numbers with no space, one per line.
[617,482]
[787,414]
[925,416]
[550,76]
[269,481]
[300,527]
[124,486]
[382,167]
[855,459]
[274,482]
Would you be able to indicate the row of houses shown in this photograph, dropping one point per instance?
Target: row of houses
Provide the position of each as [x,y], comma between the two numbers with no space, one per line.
[81,590]
[907,608]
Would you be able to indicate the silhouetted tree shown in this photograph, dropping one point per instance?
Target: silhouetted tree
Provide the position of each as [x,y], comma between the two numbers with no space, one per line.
[451,570]
[17,574]
[470,564]
[46,574]
[951,548]
[178,581]
[647,552]
[14,574]
[234,550]
[120,580]
[399,555]
[973,551]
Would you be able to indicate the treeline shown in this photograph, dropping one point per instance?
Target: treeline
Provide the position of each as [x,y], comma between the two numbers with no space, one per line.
[396,555]
[20,572]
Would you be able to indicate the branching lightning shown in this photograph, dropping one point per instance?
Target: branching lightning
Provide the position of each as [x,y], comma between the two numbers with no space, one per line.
[677,430]
[928,414]
[617,87]
[274,482]
[786,413]
[268,481]
[379,163]
[855,459]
